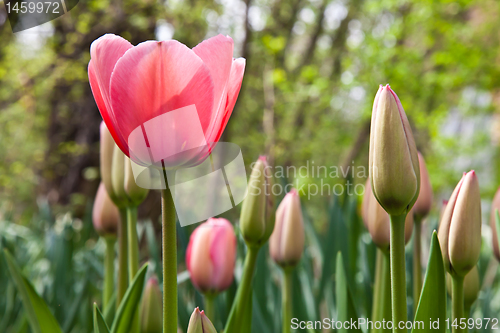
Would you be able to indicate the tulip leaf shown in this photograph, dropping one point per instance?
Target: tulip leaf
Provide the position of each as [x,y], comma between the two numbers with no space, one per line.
[125,313]
[432,304]
[39,316]
[345,304]
[100,325]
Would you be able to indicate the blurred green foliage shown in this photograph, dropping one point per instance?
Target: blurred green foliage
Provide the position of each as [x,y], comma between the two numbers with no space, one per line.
[313,68]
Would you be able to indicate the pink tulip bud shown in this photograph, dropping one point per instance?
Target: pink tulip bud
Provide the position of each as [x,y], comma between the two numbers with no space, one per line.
[423,204]
[460,228]
[105,214]
[377,220]
[394,168]
[495,206]
[199,323]
[287,240]
[211,255]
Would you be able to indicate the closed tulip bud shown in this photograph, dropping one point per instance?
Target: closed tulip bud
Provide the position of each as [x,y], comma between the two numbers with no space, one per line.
[151,308]
[287,240]
[211,255]
[135,193]
[105,215]
[394,168]
[377,221]
[107,146]
[423,204]
[199,323]
[472,286]
[460,227]
[257,211]
[443,208]
[118,175]
[495,206]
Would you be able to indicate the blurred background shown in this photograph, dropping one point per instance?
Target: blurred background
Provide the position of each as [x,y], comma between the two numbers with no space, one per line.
[313,68]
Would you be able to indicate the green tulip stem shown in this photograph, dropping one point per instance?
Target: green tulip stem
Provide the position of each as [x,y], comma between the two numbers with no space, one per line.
[243,296]
[133,243]
[417,263]
[457,302]
[122,257]
[381,309]
[169,246]
[286,299]
[109,270]
[133,257]
[210,306]
[398,272]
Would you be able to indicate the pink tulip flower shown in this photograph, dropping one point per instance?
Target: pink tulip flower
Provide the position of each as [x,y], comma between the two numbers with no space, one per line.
[164,103]
[211,255]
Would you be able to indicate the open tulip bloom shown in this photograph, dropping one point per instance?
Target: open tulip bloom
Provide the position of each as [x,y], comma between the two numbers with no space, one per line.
[166,107]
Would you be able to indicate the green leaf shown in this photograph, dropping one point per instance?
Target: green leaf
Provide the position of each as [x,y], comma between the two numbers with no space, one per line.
[432,304]
[100,325]
[130,303]
[345,304]
[109,310]
[39,316]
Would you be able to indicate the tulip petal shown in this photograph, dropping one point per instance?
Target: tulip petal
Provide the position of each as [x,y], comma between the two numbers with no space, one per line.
[105,52]
[234,86]
[217,54]
[155,78]
[223,253]
[200,266]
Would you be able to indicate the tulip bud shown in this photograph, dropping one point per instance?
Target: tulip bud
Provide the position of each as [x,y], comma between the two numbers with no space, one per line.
[257,211]
[394,168]
[151,308]
[472,286]
[495,206]
[460,228]
[118,175]
[107,147]
[287,240]
[105,215]
[378,223]
[199,323]
[443,208]
[211,255]
[423,204]
[135,193]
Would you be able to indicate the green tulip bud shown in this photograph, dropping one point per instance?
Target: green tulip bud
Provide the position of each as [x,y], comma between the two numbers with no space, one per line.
[118,175]
[460,227]
[287,240]
[423,204]
[377,221]
[495,207]
[199,323]
[107,146]
[257,211]
[151,308]
[135,193]
[394,168]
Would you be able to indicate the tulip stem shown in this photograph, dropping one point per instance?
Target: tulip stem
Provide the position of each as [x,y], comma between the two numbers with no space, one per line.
[241,314]
[210,306]
[169,245]
[133,243]
[398,272]
[109,271]
[133,257]
[286,298]
[382,291]
[122,257]
[457,302]
[417,264]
